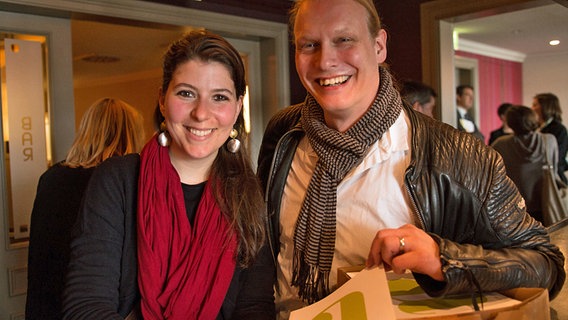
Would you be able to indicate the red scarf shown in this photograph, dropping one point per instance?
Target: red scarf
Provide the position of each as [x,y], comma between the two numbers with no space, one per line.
[184,271]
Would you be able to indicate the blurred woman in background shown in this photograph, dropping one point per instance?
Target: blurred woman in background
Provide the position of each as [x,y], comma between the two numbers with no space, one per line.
[110,127]
[547,108]
[524,153]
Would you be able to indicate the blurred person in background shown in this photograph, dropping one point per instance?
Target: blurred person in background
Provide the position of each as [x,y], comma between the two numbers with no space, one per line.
[420,96]
[109,127]
[464,104]
[504,129]
[549,113]
[524,154]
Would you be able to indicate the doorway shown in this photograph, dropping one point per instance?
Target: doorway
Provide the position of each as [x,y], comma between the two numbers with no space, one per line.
[466,72]
[437,20]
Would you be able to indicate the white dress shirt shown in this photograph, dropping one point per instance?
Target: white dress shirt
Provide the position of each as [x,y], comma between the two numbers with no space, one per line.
[466,124]
[371,197]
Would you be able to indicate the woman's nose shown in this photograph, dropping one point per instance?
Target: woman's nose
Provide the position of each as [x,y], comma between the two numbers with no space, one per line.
[199,110]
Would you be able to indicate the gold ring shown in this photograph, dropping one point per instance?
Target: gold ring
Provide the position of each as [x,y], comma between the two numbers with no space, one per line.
[401,244]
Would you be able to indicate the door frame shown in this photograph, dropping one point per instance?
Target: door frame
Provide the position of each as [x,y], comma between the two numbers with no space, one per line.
[436,31]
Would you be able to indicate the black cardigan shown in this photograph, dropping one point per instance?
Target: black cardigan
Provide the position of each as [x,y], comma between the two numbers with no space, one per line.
[102,278]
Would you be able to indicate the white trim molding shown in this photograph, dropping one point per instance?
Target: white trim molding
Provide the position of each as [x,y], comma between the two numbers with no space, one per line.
[490,51]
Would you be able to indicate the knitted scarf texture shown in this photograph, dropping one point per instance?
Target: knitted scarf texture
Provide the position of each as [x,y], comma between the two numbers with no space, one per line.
[338,153]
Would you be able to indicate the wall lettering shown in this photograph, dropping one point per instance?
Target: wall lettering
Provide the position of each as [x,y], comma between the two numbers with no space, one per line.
[27,139]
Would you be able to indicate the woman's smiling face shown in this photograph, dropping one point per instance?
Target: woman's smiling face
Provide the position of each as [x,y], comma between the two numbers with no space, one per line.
[200,107]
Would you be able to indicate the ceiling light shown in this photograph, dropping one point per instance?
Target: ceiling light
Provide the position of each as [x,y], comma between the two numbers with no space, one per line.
[554,42]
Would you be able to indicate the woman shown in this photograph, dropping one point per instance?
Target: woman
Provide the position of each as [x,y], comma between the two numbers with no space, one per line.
[504,129]
[549,113]
[110,127]
[524,154]
[176,231]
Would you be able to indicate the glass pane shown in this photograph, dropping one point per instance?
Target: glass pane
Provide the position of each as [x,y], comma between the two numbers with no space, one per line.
[24,127]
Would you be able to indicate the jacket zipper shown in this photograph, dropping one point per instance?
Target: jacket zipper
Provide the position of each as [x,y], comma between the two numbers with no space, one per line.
[412,198]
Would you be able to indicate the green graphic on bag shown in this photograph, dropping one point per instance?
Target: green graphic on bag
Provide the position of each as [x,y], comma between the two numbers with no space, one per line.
[351,306]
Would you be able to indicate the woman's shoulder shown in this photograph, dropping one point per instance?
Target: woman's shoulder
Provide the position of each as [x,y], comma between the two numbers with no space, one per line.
[122,161]
[502,140]
[59,171]
[115,178]
[548,138]
[127,165]
[556,128]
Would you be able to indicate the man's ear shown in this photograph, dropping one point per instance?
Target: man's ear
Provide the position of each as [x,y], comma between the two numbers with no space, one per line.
[381,46]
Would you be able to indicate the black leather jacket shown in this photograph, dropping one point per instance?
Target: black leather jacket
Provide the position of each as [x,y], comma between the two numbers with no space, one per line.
[462,198]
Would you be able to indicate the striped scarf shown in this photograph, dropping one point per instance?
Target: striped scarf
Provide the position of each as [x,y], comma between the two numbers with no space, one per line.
[314,236]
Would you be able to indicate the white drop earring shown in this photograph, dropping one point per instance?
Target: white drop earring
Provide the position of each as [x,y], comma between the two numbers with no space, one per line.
[164,136]
[234,144]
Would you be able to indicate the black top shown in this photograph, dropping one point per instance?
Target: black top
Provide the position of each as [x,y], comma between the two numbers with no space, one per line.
[59,193]
[559,131]
[192,195]
[497,133]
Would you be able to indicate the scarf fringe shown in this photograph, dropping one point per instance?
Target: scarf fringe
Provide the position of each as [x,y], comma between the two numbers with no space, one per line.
[312,282]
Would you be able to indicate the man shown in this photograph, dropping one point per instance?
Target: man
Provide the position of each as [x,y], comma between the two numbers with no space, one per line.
[420,96]
[353,177]
[464,101]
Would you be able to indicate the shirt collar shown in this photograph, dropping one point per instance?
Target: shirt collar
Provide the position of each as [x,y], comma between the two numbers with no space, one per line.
[462,111]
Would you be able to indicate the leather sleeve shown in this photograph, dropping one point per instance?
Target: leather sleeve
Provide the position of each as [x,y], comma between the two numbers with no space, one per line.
[523,256]
[477,216]
[273,169]
[278,125]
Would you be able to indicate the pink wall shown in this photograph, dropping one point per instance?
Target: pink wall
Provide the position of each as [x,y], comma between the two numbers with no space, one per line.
[499,81]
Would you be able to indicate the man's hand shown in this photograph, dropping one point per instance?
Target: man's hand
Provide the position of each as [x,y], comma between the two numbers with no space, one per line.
[406,248]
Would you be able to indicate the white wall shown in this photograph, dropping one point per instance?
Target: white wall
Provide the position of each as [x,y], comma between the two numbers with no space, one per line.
[547,73]
[139,90]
